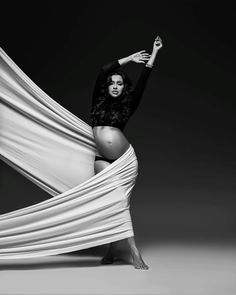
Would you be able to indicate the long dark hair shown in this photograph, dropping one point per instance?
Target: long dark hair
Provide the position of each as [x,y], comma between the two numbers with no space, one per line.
[98,109]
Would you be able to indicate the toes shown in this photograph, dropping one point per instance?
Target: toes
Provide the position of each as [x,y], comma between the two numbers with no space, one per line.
[107,260]
[141,266]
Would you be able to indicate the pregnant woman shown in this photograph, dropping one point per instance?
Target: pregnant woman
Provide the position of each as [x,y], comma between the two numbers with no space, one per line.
[114,102]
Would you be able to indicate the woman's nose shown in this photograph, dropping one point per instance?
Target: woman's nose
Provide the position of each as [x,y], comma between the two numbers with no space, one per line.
[115,86]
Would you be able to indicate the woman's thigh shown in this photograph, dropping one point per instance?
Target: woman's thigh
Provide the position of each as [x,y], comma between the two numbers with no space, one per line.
[100,165]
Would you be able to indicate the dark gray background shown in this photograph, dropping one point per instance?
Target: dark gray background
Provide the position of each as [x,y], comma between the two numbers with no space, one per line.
[184,129]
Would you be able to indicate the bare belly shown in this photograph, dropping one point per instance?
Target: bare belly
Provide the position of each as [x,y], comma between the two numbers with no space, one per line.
[110,141]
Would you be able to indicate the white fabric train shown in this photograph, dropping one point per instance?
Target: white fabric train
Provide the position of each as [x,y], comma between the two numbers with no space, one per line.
[56,150]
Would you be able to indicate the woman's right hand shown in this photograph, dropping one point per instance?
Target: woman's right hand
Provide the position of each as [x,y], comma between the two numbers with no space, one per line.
[140,56]
[157,45]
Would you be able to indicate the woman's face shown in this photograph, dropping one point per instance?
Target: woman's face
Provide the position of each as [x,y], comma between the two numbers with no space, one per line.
[116,86]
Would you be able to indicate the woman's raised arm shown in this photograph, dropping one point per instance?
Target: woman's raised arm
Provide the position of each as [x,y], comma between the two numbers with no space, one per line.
[157,45]
[142,81]
[138,57]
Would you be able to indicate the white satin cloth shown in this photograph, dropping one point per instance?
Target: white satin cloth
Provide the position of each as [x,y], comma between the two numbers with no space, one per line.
[56,150]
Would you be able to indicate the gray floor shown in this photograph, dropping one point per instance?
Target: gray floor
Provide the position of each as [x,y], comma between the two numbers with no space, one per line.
[175,268]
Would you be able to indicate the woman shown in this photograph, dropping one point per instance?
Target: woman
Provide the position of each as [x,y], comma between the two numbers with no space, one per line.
[113,104]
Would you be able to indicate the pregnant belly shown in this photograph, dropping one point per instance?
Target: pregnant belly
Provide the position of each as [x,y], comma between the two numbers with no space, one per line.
[110,141]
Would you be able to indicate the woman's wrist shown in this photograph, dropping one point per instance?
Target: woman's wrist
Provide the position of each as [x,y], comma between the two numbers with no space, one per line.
[149,65]
[154,51]
[151,60]
[125,60]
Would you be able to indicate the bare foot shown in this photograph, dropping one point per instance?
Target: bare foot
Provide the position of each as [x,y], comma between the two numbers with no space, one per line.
[107,259]
[138,262]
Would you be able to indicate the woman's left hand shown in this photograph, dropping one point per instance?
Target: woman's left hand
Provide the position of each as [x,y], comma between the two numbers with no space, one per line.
[140,56]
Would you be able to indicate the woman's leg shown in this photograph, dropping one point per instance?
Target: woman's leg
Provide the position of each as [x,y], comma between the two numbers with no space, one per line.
[109,257]
[100,165]
[136,257]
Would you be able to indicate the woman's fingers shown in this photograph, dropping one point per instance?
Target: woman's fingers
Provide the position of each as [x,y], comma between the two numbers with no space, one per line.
[145,55]
[158,39]
[142,51]
[141,56]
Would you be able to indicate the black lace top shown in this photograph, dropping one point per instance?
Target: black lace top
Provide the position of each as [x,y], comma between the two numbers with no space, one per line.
[114,111]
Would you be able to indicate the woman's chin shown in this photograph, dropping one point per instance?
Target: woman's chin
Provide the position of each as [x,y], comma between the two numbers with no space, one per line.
[115,95]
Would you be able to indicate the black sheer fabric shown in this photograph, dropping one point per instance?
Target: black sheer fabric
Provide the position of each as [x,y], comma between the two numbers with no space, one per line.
[109,111]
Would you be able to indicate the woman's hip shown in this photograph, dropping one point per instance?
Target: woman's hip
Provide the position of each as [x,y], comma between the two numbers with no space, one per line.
[111,150]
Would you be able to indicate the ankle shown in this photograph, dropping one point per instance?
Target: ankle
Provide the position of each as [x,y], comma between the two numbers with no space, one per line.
[135,252]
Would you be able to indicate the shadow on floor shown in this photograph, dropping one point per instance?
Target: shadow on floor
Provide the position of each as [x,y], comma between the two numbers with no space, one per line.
[49,265]
[84,258]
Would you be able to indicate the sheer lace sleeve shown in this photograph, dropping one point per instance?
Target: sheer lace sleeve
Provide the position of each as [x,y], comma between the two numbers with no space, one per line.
[139,88]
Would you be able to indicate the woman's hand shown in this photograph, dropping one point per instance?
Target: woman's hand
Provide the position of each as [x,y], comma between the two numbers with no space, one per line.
[140,56]
[157,45]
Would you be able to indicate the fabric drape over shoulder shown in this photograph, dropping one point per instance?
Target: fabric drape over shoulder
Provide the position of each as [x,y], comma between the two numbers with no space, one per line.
[56,150]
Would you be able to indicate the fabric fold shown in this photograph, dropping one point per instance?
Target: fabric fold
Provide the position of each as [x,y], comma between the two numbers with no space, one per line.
[54,149]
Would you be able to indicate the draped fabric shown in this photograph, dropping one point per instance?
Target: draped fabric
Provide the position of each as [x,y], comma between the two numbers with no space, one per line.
[56,150]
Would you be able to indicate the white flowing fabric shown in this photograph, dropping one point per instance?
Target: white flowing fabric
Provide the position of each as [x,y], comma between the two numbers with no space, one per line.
[56,150]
